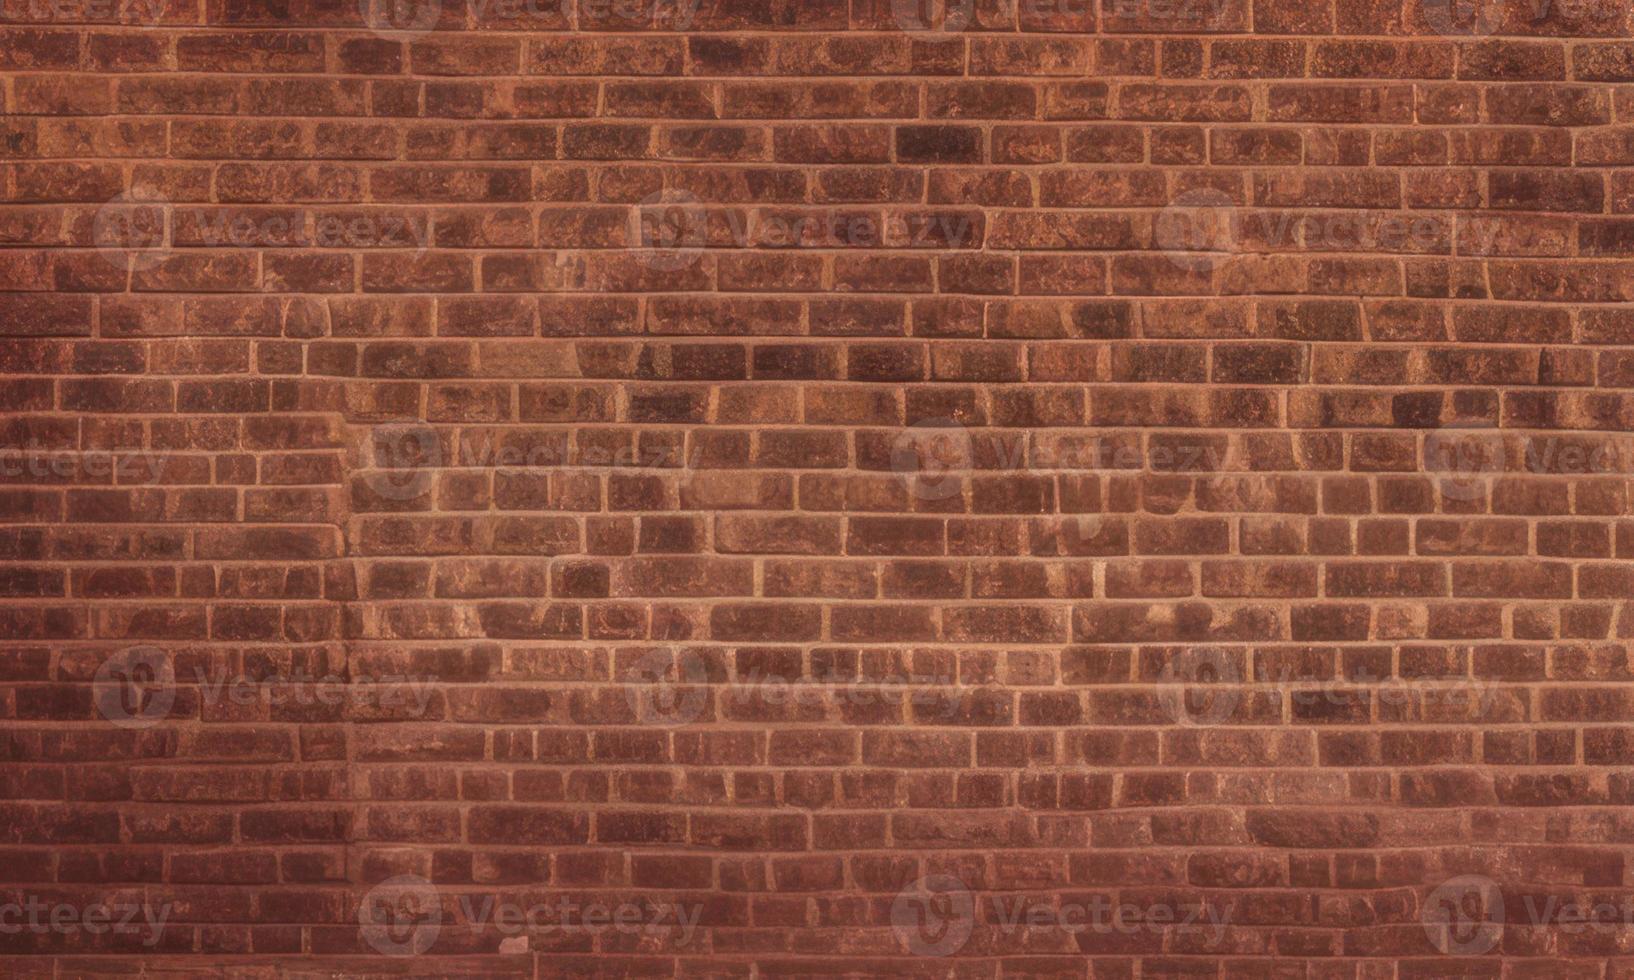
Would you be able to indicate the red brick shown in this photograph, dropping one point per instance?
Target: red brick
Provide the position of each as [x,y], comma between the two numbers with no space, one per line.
[696,608]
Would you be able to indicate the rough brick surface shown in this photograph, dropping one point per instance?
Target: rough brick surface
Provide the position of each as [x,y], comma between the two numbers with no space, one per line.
[791,487]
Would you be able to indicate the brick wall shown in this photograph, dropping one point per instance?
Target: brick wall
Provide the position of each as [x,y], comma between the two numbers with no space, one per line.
[781,487]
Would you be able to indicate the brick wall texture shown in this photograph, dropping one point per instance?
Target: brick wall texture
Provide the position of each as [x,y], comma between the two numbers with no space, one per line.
[773,488]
